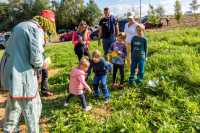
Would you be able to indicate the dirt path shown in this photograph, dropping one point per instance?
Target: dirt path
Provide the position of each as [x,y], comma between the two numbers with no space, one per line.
[43,121]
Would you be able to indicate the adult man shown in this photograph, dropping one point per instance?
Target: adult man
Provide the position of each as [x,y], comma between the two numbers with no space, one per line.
[22,57]
[108,30]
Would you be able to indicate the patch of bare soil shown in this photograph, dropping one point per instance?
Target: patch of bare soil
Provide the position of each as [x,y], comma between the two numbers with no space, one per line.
[101,113]
[53,72]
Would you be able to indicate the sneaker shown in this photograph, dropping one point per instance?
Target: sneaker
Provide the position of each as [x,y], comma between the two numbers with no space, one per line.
[66,104]
[115,85]
[121,86]
[47,93]
[88,108]
[106,100]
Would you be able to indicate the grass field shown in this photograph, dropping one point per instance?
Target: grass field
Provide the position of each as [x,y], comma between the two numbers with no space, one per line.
[173,106]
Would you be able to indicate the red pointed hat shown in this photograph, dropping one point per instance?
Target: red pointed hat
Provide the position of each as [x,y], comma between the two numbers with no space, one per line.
[49,14]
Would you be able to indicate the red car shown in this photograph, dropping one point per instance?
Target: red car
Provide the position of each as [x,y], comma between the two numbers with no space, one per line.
[67,36]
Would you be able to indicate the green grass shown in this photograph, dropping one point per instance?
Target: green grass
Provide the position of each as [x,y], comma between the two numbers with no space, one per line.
[173,106]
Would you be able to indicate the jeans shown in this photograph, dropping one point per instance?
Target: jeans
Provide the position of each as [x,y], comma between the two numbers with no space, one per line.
[121,70]
[82,98]
[140,63]
[105,90]
[107,42]
[81,50]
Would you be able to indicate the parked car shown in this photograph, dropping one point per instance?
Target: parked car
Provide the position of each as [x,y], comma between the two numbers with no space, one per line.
[149,25]
[4,37]
[94,34]
[188,13]
[67,36]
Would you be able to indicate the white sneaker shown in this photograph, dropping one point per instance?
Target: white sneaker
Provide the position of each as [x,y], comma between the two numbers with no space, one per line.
[106,100]
[66,104]
[88,108]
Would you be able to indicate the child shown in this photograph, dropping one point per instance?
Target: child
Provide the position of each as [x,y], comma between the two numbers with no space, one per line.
[77,84]
[138,54]
[81,40]
[100,68]
[118,53]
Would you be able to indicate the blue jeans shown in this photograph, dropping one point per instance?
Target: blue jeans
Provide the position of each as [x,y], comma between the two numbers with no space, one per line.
[107,42]
[140,63]
[105,90]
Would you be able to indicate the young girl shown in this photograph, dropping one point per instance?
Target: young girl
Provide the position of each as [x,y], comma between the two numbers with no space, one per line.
[100,68]
[81,40]
[77,84]
[138,55]
[118,53]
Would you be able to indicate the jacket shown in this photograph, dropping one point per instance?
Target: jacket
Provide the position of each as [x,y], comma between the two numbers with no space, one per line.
[22,56]
[77,82]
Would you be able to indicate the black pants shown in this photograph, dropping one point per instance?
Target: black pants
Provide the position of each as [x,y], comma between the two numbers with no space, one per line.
[82,98]
[42,75]
[44,83]
[121,70]
[80,50]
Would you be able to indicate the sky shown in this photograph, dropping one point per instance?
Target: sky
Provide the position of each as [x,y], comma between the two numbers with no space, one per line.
[119,7]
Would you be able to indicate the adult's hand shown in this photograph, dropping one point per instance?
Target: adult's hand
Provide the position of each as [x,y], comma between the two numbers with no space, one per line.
[45,65]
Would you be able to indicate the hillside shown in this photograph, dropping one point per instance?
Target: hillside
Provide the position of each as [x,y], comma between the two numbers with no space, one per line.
[172,106]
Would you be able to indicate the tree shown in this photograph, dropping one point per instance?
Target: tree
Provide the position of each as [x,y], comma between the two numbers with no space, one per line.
[194,6]
[4,16]
[91,13]
[178,12]
[152,15]
[20,10]
[160,11]
[38,6]
[68,12]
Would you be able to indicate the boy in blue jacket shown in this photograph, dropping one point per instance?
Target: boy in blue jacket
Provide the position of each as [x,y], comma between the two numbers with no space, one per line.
[100,68]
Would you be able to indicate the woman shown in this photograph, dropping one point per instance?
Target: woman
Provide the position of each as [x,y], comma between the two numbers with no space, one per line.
[81,40]
[130,30]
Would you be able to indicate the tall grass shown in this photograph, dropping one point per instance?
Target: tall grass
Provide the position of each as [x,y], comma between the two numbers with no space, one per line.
[173,106]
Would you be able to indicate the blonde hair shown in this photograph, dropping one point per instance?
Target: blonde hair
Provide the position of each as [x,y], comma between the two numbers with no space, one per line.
[96,53]
[122,35]
[140,29]
[84,61]
[83,24]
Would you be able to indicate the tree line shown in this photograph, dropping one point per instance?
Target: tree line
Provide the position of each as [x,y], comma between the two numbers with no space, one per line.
[154,14]
[68,12]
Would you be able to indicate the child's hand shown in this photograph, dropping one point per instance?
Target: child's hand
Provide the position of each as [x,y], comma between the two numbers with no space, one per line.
[90,90]
[45,65]
[119,52]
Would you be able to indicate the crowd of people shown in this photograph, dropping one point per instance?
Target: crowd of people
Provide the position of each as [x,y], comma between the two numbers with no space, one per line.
[24,65]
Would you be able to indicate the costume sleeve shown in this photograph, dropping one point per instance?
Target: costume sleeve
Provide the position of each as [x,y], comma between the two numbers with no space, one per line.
[36,47]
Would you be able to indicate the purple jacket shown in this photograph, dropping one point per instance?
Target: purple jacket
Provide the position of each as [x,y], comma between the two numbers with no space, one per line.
[118,58]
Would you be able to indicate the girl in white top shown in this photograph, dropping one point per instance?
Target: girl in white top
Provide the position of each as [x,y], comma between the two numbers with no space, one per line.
[130,30]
